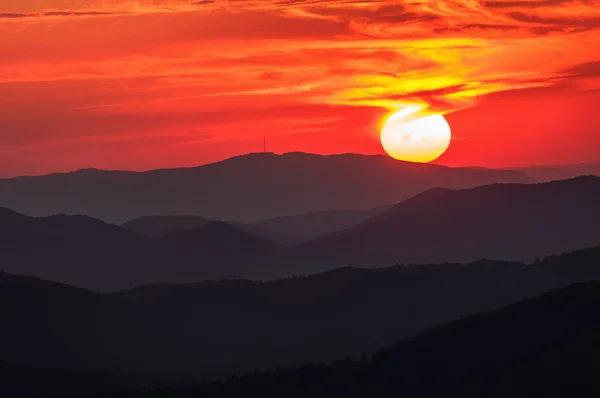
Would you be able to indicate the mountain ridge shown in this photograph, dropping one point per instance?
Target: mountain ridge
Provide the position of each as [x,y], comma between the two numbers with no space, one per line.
[271,186]
[541,346]
[87,252]
[517,222]
[211,330]
[502,221]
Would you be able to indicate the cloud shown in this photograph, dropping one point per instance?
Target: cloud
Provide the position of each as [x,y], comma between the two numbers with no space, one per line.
[270,75]
[588,69]
[47,14]
[13,15]
[437,99]
[524,4]
[582,21]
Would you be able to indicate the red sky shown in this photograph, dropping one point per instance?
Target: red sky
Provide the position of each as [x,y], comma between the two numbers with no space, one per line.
[144,84]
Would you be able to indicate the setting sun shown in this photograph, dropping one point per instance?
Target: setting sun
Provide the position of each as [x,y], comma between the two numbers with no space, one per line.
[408,135]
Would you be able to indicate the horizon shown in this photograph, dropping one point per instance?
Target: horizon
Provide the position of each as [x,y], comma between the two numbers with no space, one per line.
[508,168]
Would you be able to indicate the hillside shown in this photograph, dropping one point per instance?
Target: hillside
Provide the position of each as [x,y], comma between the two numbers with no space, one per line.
[546,346]
[516,222]
[181,333]
[89,253]
[25,382]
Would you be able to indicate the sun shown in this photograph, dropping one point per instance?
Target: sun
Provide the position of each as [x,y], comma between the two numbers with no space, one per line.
[408,136]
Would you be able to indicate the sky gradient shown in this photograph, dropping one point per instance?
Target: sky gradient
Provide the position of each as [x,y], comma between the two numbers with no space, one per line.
[145,84]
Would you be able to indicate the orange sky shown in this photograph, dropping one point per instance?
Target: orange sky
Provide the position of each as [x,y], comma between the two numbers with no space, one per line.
[163,83]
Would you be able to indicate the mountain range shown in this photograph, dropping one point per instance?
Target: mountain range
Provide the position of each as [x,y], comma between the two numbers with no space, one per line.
[501,221]
[516,222]
[172,333]
[245,188]
[90,253]
[546,346]
[289,231]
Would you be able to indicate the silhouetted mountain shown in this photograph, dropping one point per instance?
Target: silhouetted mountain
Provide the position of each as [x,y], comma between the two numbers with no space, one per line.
[90,253]
[542,347]
[244,188]
[162,225]
[176,333]
[515,222]
[320,222]
[560,172]
[501,221]
[225,252]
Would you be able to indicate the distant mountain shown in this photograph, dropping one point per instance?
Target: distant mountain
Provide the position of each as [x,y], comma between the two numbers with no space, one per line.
[515,222]
[179,333]
[163,225]
[281,237]
[501,221]
[320,222]
[560,172]
[245,188]
[90,253]
[544,347]
[222,250]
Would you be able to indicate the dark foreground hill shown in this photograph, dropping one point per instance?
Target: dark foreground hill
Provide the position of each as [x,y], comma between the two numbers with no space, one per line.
[542,347]
[17,381]
[211,330]
[245,188]
[502,221]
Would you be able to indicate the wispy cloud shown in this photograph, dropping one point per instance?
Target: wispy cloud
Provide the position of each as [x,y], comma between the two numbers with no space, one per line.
[17,15]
